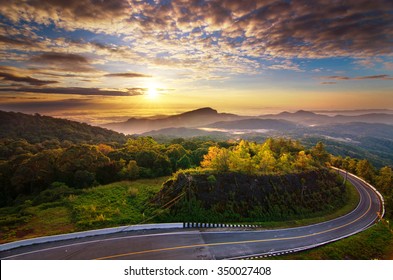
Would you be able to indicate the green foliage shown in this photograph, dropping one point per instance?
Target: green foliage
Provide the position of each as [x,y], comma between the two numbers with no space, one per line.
[57,191]
[28,169]
[114,204]
[382,179]
[272,156]
[240,197]
[374,243]
[61,209]
[48,130]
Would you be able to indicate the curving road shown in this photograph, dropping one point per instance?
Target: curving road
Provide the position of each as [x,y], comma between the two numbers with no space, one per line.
[211,243]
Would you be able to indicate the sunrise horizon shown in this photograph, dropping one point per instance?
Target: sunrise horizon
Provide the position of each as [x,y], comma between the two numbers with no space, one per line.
[98,61]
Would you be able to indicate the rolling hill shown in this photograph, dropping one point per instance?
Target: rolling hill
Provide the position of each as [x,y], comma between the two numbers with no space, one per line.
[37,128]
[195,118]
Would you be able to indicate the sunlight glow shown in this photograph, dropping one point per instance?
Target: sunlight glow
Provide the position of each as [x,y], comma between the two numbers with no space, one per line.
[152,92]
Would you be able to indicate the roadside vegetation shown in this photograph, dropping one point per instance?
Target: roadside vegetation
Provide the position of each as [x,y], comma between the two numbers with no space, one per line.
[374,243]
[116,204]
[50,185]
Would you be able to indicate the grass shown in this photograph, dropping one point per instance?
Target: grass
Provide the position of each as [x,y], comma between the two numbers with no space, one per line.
[120,203]
[116,204]
[35,221]
[124,203]
[373,243]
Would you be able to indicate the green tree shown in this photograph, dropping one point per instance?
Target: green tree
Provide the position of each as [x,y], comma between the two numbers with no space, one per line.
[384,180]
[265,159]
[319,153]
[303,161]
[79,158]
[365,170]
[84,179]
[240,158]
[175,152]
[184,162]
[217,159]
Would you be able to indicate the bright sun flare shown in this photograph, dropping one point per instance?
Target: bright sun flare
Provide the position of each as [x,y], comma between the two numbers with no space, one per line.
[152,92]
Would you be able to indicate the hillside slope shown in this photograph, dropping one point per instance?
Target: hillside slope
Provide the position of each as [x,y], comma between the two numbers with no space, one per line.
[236,197]
[37,128]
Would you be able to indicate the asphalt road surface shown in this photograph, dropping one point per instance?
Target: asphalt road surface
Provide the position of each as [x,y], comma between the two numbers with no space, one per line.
[192,244]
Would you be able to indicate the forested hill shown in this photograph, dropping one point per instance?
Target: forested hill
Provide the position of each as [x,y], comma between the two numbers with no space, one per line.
[37,128]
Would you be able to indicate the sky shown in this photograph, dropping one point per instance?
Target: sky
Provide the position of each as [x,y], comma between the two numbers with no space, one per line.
[99,61]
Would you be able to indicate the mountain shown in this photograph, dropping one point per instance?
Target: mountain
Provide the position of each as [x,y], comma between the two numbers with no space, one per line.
[355,112]
[311,118]
[366,118]
[37,128]
[363,136]
[250,124]
[183,132]
[195,118]
[208,117]
[356,130]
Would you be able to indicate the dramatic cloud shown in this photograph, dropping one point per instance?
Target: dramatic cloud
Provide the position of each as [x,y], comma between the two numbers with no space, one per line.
[79,91]
[13,41]
[245,47]
[374,77]
[4,76]
[128,75]
[328,83]
[46,105]
[63,62]
[297,28]
[69,14]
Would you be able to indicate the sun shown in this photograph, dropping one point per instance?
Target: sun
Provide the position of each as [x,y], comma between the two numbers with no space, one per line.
[152,92]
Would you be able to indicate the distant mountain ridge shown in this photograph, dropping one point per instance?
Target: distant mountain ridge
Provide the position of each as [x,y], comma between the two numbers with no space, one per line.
[370,139]
[311,118]
[255,124]
[208,117]
[37,128]
[195,118]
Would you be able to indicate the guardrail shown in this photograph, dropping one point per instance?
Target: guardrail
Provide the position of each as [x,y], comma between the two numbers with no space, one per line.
[91,233]
[368,185]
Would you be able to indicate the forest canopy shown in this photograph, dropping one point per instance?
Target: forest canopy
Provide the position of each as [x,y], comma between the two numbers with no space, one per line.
[273,156]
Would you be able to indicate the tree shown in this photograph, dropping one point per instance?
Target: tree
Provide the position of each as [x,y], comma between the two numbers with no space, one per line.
[36,172]
[319,153]
[109,173]
[365,170]
[217,159]
[265,159]
[184,162]
[105,149]
[302,161]
[79,158]
[175,152]
[130,171]
[384,180]
[83,179]
[241,158]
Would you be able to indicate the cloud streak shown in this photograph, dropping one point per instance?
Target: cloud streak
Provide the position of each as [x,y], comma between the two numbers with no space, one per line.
[63,62]
[346,78]
[78,91]
[24,79]
[128,75]
[88,47]
[286,29]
